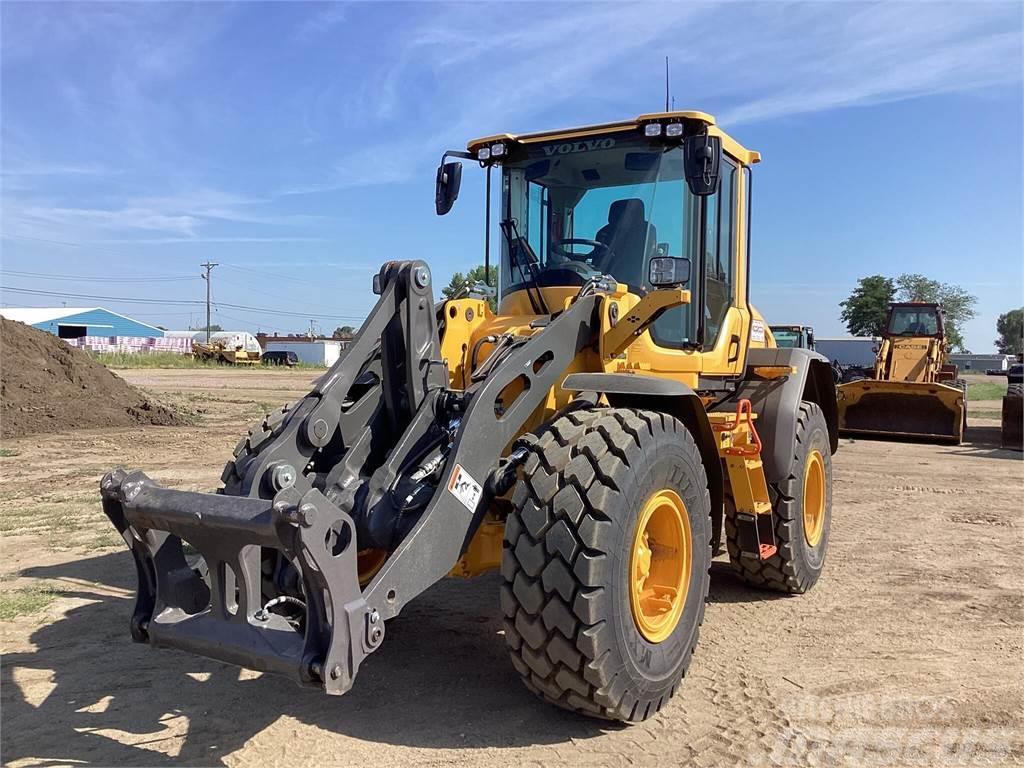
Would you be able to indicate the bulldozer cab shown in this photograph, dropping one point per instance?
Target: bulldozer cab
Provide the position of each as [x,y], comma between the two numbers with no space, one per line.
[914,391]
[606,202]
[913,346]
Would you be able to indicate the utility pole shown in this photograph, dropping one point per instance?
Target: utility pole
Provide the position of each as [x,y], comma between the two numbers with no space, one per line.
[207,266]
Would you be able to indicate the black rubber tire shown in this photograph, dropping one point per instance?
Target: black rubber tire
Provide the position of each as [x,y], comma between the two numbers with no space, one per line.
[796,566]
[255,438]
[1015,390]
[568,623]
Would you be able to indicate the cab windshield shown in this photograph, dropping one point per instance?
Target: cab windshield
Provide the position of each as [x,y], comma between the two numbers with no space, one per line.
[786,338]
[914,321]
[590,207]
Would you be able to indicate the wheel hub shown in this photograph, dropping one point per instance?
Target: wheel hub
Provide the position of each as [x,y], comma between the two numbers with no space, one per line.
[814,498]
[660,562]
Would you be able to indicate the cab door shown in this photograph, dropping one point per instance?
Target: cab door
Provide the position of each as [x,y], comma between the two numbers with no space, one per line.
[725,315]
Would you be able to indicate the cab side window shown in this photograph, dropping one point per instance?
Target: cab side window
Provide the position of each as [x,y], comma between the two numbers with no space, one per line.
[719,277]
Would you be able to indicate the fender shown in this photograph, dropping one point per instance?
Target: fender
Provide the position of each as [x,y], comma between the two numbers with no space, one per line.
[777,402]
[628,390]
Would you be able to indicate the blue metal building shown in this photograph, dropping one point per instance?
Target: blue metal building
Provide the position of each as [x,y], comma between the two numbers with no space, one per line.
[76,322]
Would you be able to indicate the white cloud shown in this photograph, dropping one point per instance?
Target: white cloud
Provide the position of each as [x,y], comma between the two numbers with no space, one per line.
[471,69]
[327,16]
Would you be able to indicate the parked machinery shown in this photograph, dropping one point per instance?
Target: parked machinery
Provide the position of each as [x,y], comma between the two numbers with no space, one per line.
[593,439]
[914,391]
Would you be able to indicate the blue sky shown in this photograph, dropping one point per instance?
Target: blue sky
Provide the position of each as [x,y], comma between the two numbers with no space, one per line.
[295,143]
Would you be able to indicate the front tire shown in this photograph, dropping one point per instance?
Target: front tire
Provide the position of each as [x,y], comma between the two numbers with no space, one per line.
[593,621]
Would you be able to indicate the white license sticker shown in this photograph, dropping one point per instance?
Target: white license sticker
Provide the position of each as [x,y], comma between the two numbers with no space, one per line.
[757,331]
[465,488]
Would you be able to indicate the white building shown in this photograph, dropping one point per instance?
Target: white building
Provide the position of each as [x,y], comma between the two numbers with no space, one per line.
[315,351]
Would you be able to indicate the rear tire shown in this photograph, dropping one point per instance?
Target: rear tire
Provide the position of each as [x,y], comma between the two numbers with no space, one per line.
[569,555]
[797,564]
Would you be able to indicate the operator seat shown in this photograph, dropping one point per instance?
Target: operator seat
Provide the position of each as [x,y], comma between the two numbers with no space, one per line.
[630,239]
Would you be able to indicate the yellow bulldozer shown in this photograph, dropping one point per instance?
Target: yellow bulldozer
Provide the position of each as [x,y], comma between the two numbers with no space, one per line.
[622,415]
[915,391]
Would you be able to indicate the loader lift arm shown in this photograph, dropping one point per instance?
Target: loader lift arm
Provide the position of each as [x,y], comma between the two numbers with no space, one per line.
[321,481]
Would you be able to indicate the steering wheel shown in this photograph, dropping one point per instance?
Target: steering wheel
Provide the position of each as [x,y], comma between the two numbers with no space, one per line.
[599,251]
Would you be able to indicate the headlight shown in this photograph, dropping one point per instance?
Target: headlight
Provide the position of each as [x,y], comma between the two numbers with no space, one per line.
[497,150]
[652,129]
[674,130]
[484,153]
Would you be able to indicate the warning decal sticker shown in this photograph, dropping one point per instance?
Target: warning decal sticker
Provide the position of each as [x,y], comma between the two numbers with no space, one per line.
[465,488]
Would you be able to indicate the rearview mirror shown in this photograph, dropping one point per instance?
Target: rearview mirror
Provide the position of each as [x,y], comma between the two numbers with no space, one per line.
[702,156]
[668,270]
[446,190]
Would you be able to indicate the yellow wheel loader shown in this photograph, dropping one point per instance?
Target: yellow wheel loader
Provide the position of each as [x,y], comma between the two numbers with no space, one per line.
[593,439]
[914,392]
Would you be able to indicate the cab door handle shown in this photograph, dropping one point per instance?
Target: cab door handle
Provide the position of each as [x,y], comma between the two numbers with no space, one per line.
[734,341]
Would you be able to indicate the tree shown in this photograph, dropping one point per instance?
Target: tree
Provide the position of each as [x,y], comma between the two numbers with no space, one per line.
[1010,327]
[343,332]
[213,328]
[475,275]
[866,309]
[957,304]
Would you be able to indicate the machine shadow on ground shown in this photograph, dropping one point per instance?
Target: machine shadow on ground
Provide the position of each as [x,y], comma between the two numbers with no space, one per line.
[983,441]
[441,680]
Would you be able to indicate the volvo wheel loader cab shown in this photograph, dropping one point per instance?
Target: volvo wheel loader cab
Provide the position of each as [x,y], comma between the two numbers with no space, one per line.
[914,391]
[592,439]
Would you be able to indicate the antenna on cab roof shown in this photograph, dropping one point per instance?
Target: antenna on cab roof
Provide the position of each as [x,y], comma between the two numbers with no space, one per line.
[666,84]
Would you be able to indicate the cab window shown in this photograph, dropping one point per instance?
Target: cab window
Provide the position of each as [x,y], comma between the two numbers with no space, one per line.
[719,277]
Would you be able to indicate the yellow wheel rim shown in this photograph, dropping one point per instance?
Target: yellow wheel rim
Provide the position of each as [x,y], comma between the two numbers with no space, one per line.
[659,565]
[814,498]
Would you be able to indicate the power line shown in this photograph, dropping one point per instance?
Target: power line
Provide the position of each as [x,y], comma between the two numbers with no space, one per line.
[83,278]
[273,275]
[179,302]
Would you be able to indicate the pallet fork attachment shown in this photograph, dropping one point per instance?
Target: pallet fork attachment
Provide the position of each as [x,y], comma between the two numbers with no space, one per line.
[320,483]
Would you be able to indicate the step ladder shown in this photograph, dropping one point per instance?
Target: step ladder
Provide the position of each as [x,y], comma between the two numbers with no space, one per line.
[739,445]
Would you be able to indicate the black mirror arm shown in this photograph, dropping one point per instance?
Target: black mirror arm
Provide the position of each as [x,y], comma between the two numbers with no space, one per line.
[457,153]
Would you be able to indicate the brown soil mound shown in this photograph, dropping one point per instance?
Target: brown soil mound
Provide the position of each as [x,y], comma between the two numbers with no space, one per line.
[48,386]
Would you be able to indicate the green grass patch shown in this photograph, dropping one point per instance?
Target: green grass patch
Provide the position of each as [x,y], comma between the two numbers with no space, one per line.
[984,413]
[8,452]
[987,390]
[27,600]
[151,360]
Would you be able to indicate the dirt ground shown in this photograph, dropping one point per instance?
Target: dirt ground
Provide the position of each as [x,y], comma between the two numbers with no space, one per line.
[908,652]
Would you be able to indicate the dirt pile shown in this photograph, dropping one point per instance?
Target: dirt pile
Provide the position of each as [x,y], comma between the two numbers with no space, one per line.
[47,386]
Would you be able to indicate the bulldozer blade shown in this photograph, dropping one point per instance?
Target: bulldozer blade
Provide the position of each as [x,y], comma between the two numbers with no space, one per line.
[902,409]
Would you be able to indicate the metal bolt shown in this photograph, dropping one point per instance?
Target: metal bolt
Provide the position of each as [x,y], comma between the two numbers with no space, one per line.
[320,429]
[283,476]
[307,514]
[375,636]
[422,277]
[374,617]
[336,672]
